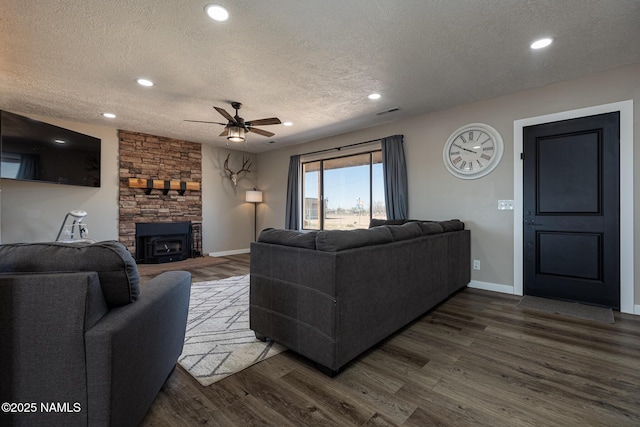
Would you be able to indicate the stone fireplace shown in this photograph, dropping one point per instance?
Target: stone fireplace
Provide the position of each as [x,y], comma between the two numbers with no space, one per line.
[157,158]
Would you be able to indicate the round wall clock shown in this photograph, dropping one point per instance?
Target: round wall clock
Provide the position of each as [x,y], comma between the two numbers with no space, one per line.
[473,151]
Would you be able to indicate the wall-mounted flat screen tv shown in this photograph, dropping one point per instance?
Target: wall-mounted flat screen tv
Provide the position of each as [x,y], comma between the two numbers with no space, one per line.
[38,151]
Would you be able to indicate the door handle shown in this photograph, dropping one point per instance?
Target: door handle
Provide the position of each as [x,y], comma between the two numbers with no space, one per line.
[532,223]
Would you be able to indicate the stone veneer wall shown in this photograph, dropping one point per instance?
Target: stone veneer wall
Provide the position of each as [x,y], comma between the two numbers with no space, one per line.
[154,157]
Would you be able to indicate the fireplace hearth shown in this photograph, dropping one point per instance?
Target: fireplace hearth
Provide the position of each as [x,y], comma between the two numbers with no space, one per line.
[161,242]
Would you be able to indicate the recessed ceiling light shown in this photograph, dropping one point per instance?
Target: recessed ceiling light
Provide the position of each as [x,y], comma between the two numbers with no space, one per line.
[109,115]
[375,96]
[217,13]
[542,43]
[60,141]
[287,124]
[144,82]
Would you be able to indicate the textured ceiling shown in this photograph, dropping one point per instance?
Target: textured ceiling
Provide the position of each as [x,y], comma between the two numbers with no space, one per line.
[311,62]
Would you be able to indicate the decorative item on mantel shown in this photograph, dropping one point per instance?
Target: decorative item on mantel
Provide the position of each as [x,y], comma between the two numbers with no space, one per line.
[233,176]
[164,185]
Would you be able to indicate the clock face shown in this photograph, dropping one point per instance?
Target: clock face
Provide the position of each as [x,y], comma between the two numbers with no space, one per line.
[473,151]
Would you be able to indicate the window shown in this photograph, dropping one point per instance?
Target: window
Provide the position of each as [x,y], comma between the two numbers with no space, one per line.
[342,193]
[10,165]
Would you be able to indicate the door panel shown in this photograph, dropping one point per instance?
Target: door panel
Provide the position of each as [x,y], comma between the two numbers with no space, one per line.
[568,174]
[571,208]
[570,254]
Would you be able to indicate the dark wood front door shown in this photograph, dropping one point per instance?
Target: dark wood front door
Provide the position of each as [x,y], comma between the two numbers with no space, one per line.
[571,210]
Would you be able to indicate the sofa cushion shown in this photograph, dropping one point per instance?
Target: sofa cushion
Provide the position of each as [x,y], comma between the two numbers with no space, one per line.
[405,231]
[452,225]
[337,240]
[430,227]
[378,222]
[112,261]
[288,238]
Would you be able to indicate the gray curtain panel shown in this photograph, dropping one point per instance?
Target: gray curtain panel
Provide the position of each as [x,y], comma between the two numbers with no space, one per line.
[396,193]
[28,166]
[292,220]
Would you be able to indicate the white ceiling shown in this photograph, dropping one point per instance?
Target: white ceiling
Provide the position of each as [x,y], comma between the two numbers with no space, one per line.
[311,62]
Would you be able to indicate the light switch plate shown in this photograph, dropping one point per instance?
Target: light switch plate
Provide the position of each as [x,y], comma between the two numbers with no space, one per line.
[505,205]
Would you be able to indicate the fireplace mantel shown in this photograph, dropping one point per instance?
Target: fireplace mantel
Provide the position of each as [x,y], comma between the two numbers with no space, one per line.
[164,185]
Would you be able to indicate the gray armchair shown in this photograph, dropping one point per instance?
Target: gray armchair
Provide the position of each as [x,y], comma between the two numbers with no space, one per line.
[80,335]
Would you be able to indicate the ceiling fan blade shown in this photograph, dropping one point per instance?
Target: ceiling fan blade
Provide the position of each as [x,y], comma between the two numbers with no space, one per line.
[264,122]
[261,132]
[225,132]
[202,121]
[225,114]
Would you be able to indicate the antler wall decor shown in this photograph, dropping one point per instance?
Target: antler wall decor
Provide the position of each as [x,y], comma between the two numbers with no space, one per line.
[233,176]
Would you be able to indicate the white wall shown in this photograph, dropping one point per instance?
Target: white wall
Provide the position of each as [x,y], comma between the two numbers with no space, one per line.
[227,220]
[436,194]
[33,211]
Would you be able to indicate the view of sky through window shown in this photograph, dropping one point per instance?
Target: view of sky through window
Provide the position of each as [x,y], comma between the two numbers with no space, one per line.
[349,184]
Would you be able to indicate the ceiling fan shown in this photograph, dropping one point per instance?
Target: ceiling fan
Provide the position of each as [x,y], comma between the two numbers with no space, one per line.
[236,127]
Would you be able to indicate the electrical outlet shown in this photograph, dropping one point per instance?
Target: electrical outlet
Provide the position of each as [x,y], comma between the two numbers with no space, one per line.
[476,264]
[505,205]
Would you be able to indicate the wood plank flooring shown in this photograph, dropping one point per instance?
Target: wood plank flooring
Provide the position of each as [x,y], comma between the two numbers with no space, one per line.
[477,359]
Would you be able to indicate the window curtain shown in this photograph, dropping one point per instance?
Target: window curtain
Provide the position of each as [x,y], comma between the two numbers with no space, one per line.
[292,220]
[396,193]
[28,166]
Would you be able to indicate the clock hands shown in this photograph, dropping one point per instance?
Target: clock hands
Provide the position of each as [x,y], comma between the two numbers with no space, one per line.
[465,149]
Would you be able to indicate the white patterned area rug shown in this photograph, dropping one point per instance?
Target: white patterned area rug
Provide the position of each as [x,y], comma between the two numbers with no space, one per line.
[218,341]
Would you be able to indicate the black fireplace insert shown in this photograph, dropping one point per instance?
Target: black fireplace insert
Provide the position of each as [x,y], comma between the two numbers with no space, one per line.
[160,242]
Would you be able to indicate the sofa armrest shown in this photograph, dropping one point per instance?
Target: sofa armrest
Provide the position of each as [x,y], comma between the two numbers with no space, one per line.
[43,317]
[134,348]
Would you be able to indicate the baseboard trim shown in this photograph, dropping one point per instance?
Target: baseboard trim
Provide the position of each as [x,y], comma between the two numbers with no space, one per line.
[233,252]
[506,289]
[495,287]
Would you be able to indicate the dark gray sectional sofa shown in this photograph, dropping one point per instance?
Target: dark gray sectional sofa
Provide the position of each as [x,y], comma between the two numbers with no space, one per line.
[331,295]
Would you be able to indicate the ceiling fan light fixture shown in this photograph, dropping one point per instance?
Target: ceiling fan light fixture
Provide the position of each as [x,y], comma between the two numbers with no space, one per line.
[236,134]
[236,127]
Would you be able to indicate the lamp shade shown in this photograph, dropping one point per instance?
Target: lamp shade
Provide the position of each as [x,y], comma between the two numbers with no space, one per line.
[254,196]
[236,134]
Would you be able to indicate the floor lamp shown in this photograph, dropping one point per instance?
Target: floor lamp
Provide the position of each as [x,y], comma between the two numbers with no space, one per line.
[254,196]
